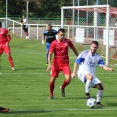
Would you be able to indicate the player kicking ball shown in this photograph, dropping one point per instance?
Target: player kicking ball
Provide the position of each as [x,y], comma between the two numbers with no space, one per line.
[88,61]
[4,45]
[60,62]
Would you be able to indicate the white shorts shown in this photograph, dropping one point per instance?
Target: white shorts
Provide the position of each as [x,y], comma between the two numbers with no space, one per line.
[94,81]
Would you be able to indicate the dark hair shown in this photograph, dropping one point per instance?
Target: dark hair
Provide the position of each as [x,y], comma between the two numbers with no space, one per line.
[95,42]
[0,24]
[49,25]
[61,30]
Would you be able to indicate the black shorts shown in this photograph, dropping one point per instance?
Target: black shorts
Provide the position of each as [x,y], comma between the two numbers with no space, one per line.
[25,28]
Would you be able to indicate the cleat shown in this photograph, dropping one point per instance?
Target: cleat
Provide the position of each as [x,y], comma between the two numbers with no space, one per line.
[87,95]
[27,37]
[13,69]
[46,63]
[99,104]
[4,110]
[62,91]
[51,97]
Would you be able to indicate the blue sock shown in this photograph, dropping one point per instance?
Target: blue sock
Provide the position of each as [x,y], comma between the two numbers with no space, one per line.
[47,58]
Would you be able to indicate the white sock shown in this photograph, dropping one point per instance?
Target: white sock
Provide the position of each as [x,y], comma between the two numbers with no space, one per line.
[87,86]
[99,95]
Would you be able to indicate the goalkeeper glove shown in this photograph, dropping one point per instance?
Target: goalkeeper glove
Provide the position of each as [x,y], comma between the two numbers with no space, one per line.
[42,42]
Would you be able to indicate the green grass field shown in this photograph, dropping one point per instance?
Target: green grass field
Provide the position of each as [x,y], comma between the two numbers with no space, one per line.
[25,91]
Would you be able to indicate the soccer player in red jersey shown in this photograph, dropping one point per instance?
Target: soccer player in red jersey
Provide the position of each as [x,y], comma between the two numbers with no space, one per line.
[4,44]
[60,62]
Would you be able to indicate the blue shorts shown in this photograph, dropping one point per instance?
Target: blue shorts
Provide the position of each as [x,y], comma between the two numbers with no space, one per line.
[48,46]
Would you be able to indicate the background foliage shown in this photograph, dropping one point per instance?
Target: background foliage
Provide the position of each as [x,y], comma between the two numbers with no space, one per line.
[43,8]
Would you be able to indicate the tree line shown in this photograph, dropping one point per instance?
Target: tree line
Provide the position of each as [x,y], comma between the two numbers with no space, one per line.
[42,8]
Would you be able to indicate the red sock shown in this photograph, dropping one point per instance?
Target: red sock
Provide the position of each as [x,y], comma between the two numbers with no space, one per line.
[11,61]
[51,88]
[65,83]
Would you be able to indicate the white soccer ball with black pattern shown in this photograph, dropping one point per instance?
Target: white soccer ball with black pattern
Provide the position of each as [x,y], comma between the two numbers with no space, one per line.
[91,102]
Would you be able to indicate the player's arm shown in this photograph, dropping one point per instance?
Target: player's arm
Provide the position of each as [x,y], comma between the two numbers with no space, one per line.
[74,70]
[75,51]
[8,37]
[49,61]
[43,39]
[105,67]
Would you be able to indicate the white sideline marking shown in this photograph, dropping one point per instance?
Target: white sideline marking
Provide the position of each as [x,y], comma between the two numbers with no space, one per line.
[15,73]
[47,110]
[90,109]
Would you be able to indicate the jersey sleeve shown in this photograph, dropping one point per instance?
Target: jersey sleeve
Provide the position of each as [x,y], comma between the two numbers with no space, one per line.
[101,62]
[45,33]
[9,38]
[3,31]
[55,31]
[80,58]
[70,44]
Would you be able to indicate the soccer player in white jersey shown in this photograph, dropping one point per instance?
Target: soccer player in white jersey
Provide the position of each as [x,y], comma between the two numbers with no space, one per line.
[88,61]
[25,26]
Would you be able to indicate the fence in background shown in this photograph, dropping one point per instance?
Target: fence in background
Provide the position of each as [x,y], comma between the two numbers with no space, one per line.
[35,30]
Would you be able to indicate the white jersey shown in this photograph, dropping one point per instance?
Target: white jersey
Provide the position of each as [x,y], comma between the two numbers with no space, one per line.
[26,22]
[88,63]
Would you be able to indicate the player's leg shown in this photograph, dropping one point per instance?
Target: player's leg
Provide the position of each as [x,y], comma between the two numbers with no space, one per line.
[89,78]
[54,74]
[67,74]
[7,51]
[52,85]
[99,93]
[26,33]
[1,51]
[96,83]
[47,52]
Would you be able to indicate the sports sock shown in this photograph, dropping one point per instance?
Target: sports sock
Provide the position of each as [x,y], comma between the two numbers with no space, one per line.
[65,83]
[10,61]
[99,95]
[51,88]
[47,58]
[87,86]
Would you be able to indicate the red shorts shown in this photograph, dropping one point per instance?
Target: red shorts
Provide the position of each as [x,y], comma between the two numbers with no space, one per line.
[56,69]
[5,49]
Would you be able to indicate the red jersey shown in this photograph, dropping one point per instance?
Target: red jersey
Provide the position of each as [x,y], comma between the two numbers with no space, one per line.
[3,36]
[60,49]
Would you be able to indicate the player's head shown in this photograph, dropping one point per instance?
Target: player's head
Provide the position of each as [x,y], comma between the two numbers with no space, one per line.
[49,27]
[94,46]
[0,24]
[61,33]
[23,16]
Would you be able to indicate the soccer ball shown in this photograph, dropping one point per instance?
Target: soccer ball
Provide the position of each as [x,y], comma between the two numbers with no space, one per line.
[91,102]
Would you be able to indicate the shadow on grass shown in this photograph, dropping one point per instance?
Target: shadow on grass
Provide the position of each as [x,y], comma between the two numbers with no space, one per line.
[112,104]
[27,111]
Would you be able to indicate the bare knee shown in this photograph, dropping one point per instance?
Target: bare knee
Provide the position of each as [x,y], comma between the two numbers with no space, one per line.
[52,79]
[89,77]
[99,86]
[67,77]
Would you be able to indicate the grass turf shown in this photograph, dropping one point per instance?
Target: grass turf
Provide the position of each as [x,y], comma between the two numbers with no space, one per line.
[25,91]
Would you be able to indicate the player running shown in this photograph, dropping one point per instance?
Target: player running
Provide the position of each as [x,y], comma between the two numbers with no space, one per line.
[4,44]
[60,62]
[49,35]
[88,61]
